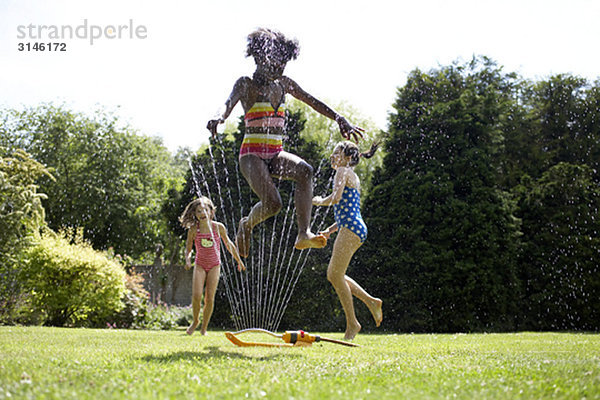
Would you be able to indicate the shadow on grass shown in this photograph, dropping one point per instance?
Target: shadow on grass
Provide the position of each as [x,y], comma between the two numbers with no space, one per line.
[214,353]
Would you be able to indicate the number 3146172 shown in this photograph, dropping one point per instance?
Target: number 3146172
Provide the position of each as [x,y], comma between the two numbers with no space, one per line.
[37,46]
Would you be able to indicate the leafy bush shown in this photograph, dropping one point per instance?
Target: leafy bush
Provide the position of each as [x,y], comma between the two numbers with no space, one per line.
[68,281]
[139,313]
[183,315]
[135,304]
[21,216]
[160,317]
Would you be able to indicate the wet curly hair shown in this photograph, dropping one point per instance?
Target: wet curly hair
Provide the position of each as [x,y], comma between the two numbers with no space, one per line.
[269,43]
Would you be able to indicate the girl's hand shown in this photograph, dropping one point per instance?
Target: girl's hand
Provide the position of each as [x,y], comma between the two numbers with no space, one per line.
[349,131]
[317,200]
[326,233]
[241,266]
[212,126]
[188,264]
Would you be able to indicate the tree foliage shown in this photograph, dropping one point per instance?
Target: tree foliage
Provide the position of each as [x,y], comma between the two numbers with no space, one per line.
[109,181]
[560,270]
[442,238]
[21,216]
[558,203]
[484,213]
[69,282]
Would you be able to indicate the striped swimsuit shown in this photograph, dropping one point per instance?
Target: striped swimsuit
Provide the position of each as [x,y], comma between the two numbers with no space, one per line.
[208,249]
[264,130]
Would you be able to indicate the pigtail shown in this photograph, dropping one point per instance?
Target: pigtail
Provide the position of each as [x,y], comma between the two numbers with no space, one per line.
[371,152]
[350,149]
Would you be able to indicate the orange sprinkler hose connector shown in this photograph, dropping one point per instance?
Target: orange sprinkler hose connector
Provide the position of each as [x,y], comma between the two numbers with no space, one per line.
[291,338]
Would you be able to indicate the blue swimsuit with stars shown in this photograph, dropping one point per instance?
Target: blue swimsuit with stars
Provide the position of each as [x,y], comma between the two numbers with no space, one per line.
[347,213]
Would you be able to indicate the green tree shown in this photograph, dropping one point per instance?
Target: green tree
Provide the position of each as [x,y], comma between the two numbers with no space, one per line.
[21,217]
[554,121]
[562,249]
[567,110]
[553,150]
[442,240]
[109,180]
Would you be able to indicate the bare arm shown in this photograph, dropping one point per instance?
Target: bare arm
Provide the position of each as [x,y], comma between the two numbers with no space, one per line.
[346,129]
[331,229]
[189,244]
[239,88]
[339,181]
[231,247]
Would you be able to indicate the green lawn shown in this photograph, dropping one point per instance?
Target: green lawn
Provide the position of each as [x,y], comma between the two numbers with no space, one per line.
[85,363]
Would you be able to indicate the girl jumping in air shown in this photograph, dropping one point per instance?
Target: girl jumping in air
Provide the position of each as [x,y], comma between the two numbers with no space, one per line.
[261,155]
[345,199]
[206,234]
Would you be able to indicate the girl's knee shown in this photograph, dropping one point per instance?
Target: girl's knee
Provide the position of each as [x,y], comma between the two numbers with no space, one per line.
[209,302]
[335,279]
[196,298]
[305,171]
[273,205]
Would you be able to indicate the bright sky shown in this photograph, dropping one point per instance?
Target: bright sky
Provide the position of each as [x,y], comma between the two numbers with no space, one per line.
[177,77]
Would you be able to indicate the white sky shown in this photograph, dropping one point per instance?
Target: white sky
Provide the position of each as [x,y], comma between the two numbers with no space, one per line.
[172,82]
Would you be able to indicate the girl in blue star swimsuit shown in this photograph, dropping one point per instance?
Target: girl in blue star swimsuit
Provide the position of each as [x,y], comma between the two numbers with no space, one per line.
[345,199]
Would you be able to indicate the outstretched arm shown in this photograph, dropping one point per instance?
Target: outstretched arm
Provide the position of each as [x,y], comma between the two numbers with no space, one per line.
[339,181]
[238,88]
[231,247]
[347,130]
[331,229]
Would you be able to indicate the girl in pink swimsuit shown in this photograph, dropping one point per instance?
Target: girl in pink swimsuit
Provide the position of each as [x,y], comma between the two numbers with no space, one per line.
[262,156]
[205,234]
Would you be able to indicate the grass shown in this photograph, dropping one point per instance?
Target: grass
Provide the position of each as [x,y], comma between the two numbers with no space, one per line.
[60,363]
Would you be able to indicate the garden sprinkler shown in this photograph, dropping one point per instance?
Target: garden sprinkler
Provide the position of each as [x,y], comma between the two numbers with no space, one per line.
[291,339]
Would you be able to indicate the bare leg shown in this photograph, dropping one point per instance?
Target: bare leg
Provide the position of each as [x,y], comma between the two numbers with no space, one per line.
[373,303]
[257,173]
[198,279]
[344,248]
[212,281]
[290,166]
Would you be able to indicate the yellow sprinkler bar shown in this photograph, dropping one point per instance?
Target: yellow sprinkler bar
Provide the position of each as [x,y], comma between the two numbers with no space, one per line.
[291,338]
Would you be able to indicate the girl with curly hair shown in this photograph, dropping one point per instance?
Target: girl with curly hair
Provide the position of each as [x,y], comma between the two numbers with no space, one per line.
[262,156]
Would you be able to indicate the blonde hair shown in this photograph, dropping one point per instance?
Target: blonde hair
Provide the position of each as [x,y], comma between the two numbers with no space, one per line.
[351,150]
[188,217]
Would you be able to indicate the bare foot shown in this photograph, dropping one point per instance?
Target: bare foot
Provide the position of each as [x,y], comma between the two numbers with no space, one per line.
[310,241]
[375,309]
[242,240]
[352,331]
[203,332]
[190,330]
